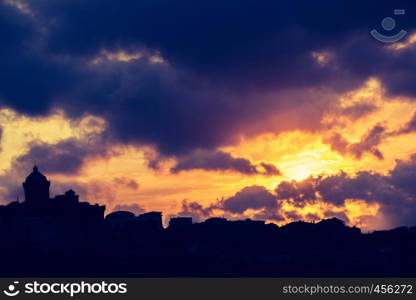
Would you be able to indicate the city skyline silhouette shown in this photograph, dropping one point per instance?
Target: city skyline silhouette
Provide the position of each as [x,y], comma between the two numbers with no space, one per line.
[62,236]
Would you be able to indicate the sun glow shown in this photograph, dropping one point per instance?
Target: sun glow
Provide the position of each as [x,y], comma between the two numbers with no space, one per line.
[297,154]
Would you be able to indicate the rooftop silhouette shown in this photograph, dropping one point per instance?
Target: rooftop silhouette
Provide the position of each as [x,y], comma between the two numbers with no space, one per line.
[63,237]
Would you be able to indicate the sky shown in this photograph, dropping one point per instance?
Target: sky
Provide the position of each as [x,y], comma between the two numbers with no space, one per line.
[271,110]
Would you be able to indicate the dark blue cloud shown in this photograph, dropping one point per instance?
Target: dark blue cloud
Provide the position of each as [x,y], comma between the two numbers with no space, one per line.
[267,41]
[222,161]
[126,182]
[65,157]
[230,65]
[369,143]
[252,197]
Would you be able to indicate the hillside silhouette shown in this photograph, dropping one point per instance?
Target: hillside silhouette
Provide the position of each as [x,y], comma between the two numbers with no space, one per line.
[63,237]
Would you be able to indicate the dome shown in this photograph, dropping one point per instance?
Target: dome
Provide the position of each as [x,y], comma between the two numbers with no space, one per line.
[36,187]
[36,177]
[120,215]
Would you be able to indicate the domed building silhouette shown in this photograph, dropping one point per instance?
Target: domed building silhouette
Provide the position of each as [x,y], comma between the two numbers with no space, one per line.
[65,209]
[36,187]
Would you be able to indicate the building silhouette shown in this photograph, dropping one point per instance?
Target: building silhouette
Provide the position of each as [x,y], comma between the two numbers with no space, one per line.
[65,209]
[64,237]
[36,187]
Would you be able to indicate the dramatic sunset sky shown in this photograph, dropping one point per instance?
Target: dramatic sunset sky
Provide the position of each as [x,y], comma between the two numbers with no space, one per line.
[272,110]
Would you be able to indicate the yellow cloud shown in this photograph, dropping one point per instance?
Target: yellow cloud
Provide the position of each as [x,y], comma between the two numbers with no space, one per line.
[297,154]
